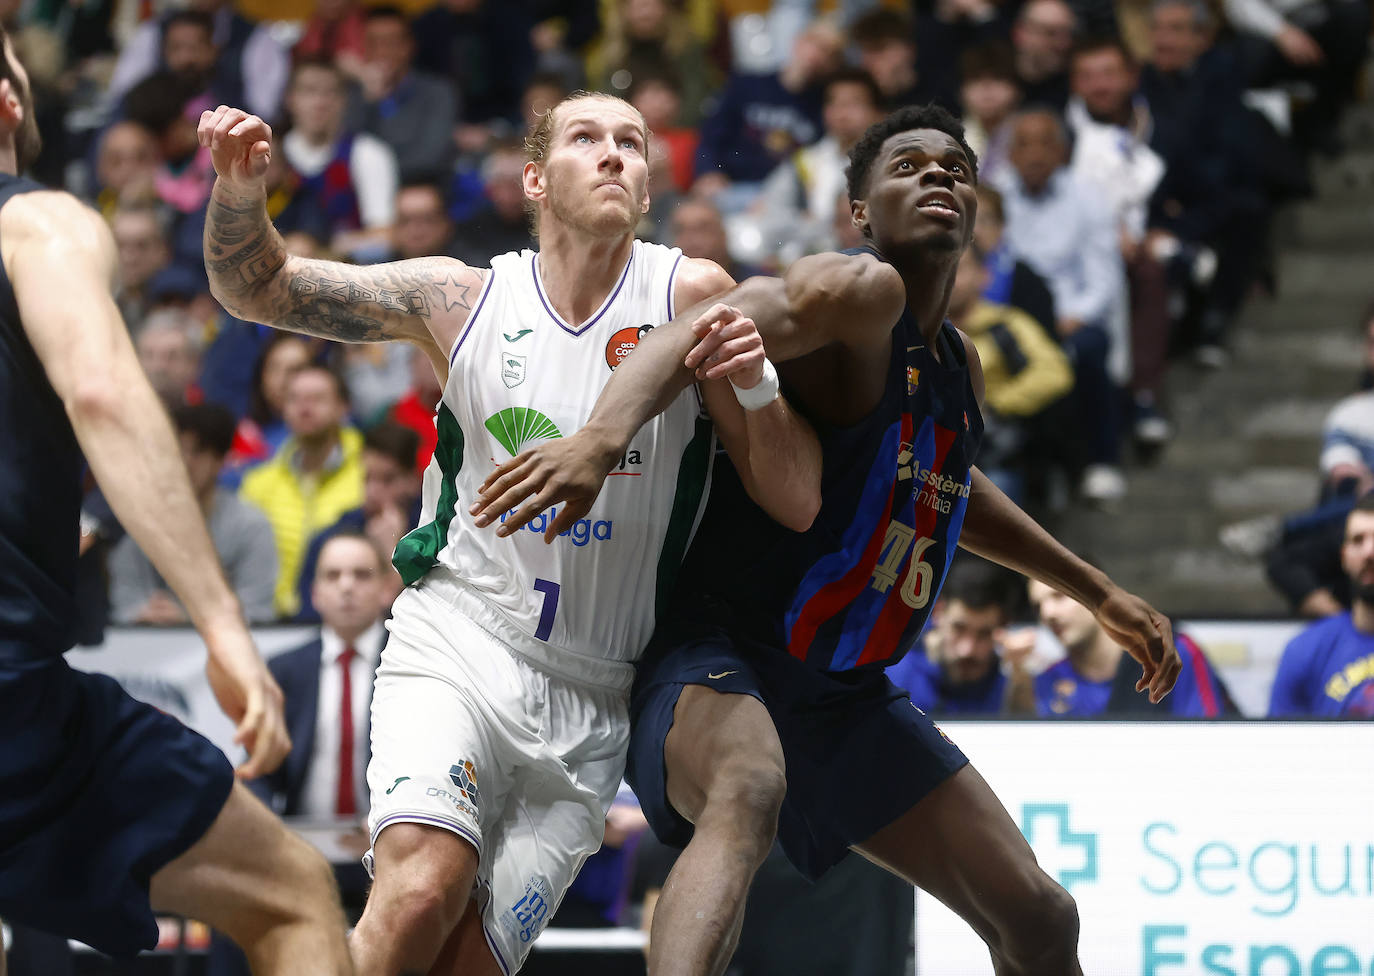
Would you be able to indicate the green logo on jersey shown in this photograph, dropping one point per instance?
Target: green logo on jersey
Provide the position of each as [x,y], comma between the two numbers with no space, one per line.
[515,427]
[518,336]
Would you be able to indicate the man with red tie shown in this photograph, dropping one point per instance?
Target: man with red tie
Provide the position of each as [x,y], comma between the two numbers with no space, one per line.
[327,685]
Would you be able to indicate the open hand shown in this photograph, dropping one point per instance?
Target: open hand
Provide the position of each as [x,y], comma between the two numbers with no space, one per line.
[240,145]
[1147,636]
[729,346]
[568,471]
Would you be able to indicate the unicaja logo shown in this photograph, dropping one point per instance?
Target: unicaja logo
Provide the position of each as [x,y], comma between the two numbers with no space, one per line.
[515,427]
[1069,856]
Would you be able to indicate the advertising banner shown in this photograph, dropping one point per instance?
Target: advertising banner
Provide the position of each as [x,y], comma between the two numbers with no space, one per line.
[1192,849]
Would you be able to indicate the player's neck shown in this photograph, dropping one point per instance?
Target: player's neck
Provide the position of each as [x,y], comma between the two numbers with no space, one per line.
[1362,616]
[1097,659]
[577,272]
[929,285]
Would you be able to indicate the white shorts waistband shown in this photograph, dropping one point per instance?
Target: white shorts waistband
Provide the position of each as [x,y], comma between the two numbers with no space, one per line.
[597,672]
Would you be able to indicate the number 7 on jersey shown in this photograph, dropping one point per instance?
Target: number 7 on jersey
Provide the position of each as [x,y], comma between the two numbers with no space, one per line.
[550,590]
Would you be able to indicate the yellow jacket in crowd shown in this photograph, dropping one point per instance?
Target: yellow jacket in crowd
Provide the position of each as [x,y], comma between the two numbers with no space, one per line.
[1024,370]
[298,506]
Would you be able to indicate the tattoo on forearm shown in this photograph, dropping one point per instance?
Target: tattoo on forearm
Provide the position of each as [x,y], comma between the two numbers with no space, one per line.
[246,259]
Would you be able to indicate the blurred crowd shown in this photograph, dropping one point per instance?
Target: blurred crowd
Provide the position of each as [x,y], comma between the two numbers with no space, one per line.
[1130,156]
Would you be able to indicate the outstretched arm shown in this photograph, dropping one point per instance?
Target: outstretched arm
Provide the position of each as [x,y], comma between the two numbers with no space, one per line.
[60,258]
[425,301]
[996,528]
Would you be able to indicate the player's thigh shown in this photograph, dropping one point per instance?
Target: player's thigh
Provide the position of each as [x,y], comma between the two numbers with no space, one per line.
[959,844]
[715,736]
[247,873]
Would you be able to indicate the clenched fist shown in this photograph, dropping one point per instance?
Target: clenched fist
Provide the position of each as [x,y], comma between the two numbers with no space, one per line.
[240,145]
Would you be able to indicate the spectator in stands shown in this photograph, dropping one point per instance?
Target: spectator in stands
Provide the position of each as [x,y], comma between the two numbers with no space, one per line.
[886,41]
[543,92]
[125,167]
[1323,43]
[796,207]
[503,224]
[348,177]
[946,31]
[1208,216]
[1111,125]
[658,97]
[960,670]
[648,37]
[422,227]
[412,111]
[245,63]
[1011,281]
[140,236]
[484,48]
[261,431]
[169,352]
[334,33]
[313,478]
[989,94]
[242,536]
[1099,678]
[326,685]
[1066,232]
[760,120]
[391,502]
[1042,37]
[1328,669]
[416,409]
[1024,372]
[699,229]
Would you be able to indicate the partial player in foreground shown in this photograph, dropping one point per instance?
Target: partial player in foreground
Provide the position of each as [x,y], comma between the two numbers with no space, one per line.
[761,708]
[111,810]
[500,713]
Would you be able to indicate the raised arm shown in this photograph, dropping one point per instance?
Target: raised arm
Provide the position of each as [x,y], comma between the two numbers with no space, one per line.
[425,301]
[60,257]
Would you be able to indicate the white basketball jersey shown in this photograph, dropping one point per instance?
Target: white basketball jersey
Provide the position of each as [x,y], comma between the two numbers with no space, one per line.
[519,376]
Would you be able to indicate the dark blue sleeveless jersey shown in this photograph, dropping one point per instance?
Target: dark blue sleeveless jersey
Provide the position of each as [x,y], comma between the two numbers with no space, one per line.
[40,489]
[855,589]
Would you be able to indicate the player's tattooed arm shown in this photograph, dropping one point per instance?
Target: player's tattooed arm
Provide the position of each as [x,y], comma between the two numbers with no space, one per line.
[255,279]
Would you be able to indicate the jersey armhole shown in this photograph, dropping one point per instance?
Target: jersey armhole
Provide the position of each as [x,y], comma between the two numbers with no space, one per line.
[472,319]
[672,288]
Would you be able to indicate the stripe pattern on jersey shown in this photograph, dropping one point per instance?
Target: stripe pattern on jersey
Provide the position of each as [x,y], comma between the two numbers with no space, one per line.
[418,552]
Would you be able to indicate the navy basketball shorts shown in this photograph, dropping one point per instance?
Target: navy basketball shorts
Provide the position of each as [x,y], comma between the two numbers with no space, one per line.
[859,754]
[97,792]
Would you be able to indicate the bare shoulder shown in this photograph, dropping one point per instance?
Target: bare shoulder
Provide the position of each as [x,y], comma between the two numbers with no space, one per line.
[697,280]
[852,277]
[52,216]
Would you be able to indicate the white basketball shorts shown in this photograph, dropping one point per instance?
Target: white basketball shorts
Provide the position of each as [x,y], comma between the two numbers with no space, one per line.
[470,736]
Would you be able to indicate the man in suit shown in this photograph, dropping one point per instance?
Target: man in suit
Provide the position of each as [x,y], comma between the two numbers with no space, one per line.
[327,685]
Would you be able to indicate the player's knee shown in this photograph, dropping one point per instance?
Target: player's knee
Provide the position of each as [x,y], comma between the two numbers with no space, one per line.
[424,880]
[746,796]
[1045,934]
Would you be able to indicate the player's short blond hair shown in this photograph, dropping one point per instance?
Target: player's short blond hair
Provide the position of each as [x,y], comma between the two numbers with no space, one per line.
[537,142]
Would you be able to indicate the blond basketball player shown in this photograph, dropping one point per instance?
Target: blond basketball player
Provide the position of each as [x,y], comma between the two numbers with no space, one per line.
[499,717]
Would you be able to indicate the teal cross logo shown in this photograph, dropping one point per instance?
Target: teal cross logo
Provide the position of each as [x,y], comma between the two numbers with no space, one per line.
[1068,855]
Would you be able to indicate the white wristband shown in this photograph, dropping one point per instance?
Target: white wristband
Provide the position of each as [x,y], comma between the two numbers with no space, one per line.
[761,394]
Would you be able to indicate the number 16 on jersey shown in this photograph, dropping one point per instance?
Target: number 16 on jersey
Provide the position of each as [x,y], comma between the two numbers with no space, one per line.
[550,590]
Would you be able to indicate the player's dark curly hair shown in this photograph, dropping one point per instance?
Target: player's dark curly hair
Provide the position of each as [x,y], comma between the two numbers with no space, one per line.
[903,120]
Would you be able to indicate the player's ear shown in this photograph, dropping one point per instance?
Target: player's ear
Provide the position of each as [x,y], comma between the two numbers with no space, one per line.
[858,213]
[11,108]
[533,181]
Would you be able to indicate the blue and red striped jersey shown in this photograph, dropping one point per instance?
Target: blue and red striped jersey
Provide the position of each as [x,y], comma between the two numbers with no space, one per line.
[856,589]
